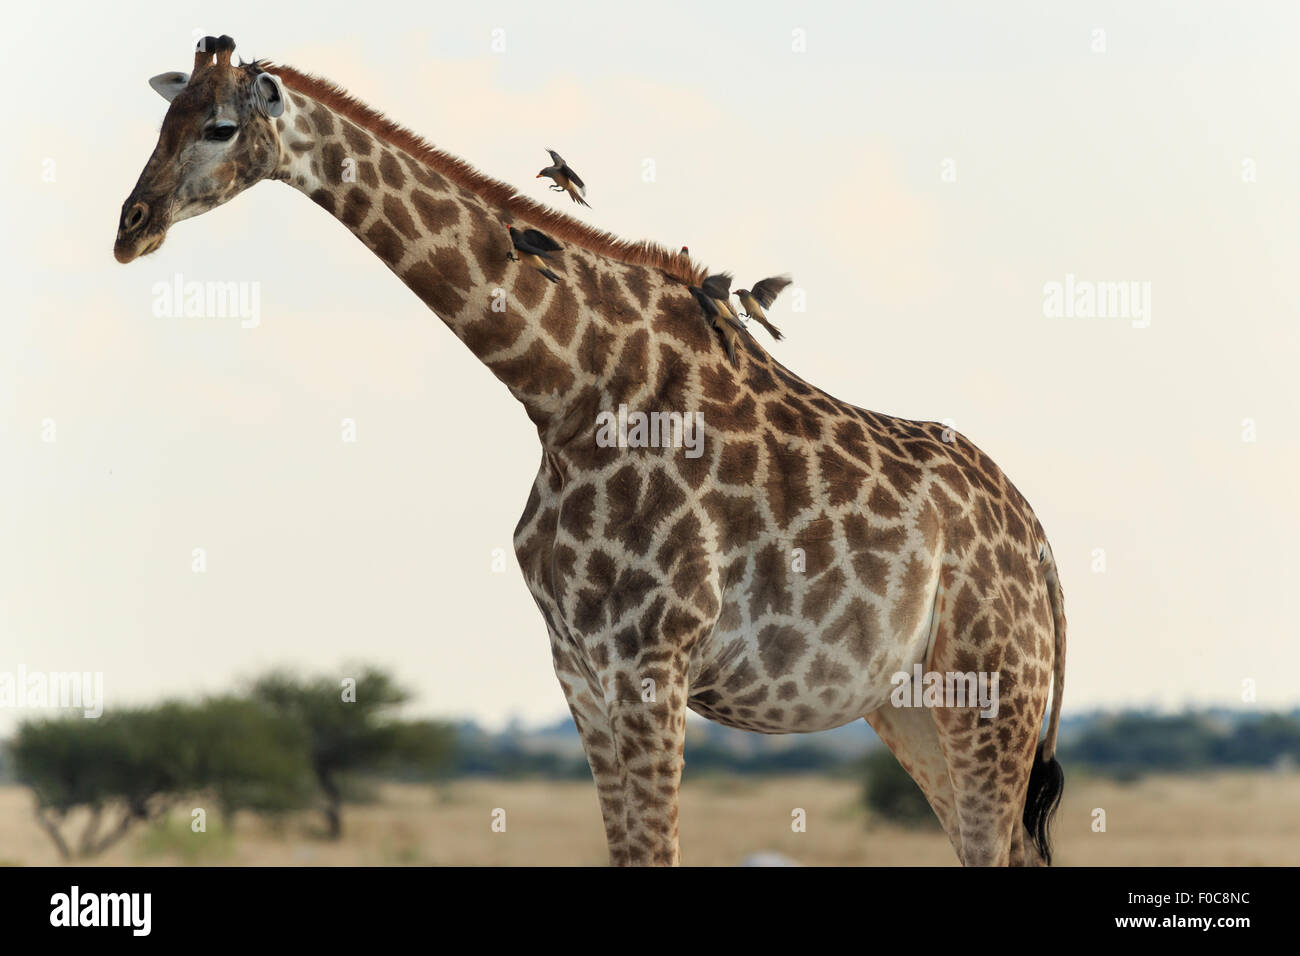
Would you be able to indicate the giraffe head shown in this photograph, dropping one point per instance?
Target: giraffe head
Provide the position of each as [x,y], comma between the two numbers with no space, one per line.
[218,138]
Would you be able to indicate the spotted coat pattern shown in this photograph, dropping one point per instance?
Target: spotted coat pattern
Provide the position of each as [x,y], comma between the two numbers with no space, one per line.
[775,582]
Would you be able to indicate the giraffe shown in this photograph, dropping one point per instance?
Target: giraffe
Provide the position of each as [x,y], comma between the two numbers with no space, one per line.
[774,581]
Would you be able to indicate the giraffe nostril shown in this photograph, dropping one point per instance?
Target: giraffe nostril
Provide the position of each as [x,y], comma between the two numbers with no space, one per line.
[135,217]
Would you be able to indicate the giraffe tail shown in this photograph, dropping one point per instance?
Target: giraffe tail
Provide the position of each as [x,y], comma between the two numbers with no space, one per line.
[1046,779]
[1057,598]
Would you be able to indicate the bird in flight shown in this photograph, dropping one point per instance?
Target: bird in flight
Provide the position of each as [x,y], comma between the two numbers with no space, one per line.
[566,180]
[760,297]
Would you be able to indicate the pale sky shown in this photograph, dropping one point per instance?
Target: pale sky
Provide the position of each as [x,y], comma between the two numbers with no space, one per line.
[1164,150]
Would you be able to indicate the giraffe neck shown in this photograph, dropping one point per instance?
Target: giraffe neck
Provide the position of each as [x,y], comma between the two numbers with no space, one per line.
[450,246]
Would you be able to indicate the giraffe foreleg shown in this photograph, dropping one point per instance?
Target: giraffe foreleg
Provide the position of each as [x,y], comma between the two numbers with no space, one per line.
[598,743]
[650,747]
[596,731]
[650,737]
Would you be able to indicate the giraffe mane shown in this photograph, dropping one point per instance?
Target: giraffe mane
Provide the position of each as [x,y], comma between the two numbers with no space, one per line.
[675,265]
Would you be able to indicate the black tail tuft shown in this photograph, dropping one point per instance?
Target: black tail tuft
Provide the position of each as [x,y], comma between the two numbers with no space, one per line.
[1046,783]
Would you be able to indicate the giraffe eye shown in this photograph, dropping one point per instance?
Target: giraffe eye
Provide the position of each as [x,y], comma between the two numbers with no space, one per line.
[220,132]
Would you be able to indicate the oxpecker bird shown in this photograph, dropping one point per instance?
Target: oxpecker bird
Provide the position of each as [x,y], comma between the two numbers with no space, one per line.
[718,288]
[760,297]
[566,180]
[534,247]
[721,322]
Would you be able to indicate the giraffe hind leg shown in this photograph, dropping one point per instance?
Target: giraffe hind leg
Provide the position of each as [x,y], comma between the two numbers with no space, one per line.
[1046,784]
[990,761]
[912,737]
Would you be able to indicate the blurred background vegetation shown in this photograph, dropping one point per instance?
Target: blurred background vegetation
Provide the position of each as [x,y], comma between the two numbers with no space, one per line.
[312,745]
[288,743]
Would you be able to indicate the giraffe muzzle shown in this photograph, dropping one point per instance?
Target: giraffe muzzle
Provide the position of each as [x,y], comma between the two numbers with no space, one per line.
[135,238]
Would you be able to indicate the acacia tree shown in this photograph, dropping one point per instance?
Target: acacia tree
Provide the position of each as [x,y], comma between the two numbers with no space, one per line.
[128,764]
[130,767]
[282,747]
[249,757]
[352,727]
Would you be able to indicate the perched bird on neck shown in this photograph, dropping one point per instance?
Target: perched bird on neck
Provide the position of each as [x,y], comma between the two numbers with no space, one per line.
[534,247]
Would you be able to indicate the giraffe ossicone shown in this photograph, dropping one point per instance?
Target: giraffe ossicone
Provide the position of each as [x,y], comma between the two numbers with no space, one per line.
[651,567]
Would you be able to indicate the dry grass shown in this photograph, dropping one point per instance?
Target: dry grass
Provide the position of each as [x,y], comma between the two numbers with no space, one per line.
[1221,819]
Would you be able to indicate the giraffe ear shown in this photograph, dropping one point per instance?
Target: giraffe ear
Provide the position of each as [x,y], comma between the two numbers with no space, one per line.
[169,85]
[269,93]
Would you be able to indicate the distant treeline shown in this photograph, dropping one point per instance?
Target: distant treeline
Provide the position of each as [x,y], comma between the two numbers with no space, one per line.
[1124,744]
[1131,744]
[290,743]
